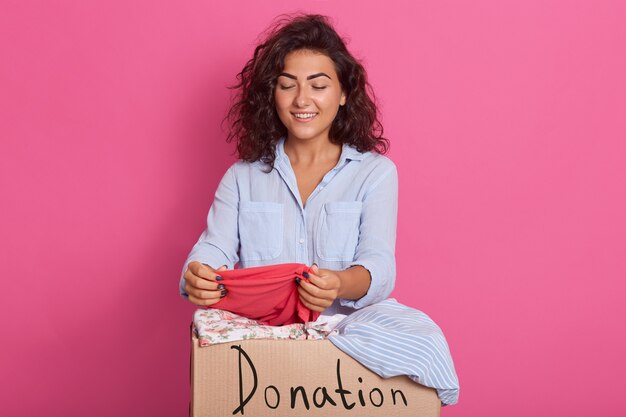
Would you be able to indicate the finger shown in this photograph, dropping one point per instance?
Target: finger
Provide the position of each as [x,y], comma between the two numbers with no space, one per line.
[200,283]
[311,299]
[321,273]
[205,294]
[311,306]
[203,270]
[222,268]
[203,302]
[320,288]
[198,268]
[319,282]
[206,272]
[309,288]
[203,284]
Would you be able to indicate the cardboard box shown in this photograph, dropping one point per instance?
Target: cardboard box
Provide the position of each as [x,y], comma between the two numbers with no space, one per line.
[277,378]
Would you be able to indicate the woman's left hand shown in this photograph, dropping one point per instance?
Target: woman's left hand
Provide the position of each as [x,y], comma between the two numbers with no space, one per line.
[321,289]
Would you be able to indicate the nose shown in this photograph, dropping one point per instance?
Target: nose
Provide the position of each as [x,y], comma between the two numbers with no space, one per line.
[301,99]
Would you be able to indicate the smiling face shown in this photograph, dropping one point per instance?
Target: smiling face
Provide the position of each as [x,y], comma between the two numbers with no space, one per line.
[308,95]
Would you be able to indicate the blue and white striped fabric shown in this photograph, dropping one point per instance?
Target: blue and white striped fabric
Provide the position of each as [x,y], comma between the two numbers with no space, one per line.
[391,339]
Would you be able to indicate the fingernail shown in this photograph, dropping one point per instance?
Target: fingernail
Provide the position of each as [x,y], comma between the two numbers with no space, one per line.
[218,278]
[305,274]
[298,280]
[224,292]
[220,286]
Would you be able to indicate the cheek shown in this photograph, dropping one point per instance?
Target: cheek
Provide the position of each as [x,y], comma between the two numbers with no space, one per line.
[283,97]
[282,106]
[329,103]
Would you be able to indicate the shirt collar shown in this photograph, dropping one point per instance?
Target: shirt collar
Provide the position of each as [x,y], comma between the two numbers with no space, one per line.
[347,152]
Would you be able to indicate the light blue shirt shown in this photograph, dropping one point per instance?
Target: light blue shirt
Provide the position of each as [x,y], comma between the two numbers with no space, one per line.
[257,218]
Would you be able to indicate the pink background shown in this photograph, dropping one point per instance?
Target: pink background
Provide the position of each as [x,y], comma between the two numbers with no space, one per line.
[508,126]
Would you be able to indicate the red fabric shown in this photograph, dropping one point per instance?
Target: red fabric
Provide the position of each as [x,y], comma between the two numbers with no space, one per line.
[266,293]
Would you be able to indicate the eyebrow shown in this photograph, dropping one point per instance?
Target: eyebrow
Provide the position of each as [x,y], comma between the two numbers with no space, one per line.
[310,77]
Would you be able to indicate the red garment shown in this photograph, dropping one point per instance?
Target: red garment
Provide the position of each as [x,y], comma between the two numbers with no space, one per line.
[266,293]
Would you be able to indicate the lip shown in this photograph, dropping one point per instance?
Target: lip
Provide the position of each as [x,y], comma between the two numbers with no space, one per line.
[304,120]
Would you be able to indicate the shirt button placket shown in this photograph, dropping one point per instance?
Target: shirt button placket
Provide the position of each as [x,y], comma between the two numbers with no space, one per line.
[302,251]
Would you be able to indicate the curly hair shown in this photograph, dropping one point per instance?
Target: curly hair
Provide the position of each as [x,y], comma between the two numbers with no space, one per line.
[253,119]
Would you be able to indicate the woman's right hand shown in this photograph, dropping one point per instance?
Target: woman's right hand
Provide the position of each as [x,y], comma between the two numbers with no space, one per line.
[202,283]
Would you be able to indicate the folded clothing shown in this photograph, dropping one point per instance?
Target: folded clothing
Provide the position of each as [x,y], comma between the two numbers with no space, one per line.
[214,326]
[267,294]
[392,339]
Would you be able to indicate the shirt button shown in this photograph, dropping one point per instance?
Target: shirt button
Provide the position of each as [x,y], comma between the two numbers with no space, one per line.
[301,241]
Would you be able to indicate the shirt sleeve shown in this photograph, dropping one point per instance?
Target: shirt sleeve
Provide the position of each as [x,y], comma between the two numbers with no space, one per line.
[219,243]
[377,239]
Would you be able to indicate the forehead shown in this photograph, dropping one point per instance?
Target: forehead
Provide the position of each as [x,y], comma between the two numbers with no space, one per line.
[305,62]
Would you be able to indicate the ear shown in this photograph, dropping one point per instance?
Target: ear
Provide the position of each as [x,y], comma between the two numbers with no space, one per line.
[342,100]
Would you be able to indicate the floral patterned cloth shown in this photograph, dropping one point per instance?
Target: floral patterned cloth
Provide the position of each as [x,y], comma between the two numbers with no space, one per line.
[215,326]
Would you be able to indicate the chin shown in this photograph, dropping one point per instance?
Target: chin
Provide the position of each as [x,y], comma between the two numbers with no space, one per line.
[304,135]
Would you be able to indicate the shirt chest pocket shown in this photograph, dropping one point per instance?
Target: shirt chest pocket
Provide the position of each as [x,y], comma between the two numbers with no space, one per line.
[338,232]
[260,230]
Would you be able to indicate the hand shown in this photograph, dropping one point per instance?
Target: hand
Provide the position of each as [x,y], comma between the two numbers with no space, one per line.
[202,284]
[321,290]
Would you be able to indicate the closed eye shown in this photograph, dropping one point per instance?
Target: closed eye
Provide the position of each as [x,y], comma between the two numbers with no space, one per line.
[319,87]
[286,87]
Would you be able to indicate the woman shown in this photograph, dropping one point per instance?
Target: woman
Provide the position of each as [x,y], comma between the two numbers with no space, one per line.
[312,186]
[334,201]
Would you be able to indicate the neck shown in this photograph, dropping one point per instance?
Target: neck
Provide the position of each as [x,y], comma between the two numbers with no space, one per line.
[311,151]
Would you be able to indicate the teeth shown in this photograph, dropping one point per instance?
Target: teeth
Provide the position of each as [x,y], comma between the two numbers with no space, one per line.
[304,115]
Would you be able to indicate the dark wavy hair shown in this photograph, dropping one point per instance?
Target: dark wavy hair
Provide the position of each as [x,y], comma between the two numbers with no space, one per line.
[253,119]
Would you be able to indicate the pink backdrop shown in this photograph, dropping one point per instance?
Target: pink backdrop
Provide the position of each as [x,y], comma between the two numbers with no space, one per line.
[508,126]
